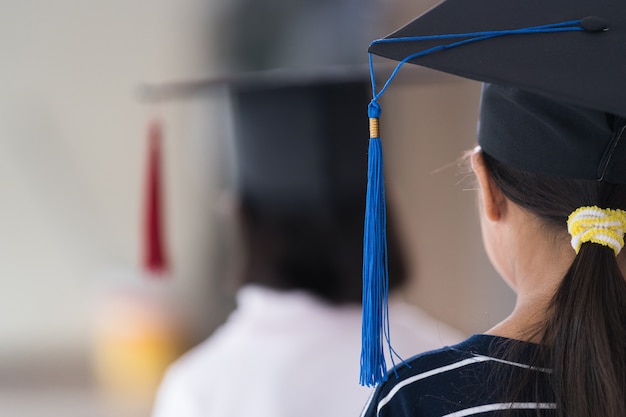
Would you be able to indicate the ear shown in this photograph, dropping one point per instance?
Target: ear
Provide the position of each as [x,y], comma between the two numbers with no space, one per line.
[492,199]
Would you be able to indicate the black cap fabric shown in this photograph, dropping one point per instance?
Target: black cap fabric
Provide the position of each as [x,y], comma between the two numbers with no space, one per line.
[545,136]
[301,145]
[554,103]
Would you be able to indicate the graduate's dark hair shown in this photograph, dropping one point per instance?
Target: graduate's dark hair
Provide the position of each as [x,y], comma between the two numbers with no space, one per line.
[317,252]
[583,338]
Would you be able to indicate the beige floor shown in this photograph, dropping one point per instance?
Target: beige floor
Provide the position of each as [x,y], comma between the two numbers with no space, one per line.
[64,402]
[58,387]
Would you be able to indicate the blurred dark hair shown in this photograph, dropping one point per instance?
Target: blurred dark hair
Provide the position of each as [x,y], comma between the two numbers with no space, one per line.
[320,253]
[583,339]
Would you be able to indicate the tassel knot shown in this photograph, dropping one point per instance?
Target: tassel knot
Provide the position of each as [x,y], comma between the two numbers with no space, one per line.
[374,110]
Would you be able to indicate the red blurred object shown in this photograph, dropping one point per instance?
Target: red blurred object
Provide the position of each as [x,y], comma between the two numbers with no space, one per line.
[154,256]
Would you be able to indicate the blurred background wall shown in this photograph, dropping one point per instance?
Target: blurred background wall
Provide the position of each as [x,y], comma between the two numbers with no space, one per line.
[84,331]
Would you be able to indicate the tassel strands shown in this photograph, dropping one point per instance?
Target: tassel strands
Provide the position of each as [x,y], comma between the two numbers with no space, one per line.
[375,333]
[375,270]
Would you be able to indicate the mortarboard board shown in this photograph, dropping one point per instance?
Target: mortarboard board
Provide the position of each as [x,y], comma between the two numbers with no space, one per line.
[552,102]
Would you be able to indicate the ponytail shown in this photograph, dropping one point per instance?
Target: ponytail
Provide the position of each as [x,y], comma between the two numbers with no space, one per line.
[583,338]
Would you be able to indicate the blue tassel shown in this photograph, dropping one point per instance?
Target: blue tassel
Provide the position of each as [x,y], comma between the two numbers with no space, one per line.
[375,271]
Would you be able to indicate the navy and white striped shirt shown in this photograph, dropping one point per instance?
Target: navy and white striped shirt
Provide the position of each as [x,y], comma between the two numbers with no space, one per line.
[468,379]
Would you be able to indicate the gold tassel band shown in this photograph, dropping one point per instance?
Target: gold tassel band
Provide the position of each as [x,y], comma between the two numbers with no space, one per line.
[374,133]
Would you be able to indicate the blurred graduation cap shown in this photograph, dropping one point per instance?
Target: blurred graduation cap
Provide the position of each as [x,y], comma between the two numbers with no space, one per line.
[553,100]
[300,135]
[299,142]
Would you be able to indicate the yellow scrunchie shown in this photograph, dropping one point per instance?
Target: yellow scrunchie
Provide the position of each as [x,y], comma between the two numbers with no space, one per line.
[602,226]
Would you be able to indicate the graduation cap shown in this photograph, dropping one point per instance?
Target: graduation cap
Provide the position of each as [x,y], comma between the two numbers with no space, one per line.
[299,134]
[553,100]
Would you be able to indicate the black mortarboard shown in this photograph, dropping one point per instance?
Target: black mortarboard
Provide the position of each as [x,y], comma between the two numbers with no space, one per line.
[553,100]
[299,140]
[571,77]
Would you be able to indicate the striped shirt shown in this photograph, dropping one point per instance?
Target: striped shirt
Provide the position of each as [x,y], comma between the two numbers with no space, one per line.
[462,380]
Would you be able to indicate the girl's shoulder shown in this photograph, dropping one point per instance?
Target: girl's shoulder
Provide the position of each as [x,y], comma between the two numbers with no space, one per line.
[441,381]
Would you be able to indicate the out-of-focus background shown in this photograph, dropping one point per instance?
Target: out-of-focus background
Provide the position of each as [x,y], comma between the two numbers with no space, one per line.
[85,330]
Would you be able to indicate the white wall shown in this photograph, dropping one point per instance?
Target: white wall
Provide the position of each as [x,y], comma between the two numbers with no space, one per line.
[426,129]
[72,149]
[72,161]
